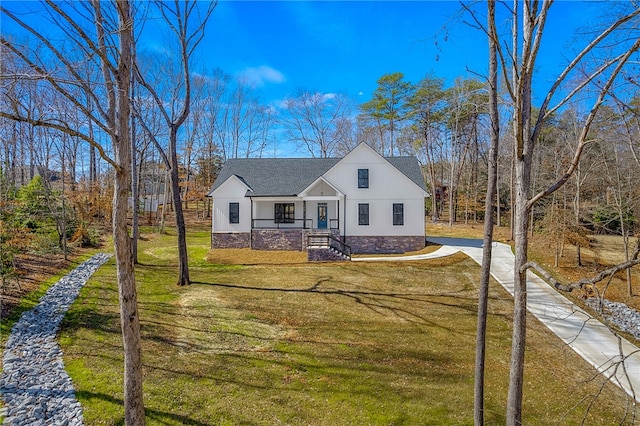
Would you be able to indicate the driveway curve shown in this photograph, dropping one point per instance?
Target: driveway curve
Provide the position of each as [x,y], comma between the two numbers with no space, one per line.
[613,356]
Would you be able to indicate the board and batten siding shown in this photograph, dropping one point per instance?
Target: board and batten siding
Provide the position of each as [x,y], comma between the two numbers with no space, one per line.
[387,185]
[231,191]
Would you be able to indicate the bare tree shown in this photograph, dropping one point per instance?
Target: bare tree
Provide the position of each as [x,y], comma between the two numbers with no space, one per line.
[521,60]
[463,104]
[110,112]
[483,297]
[180,19]
[215,87]
[622,196]
[428,105]
[317,121]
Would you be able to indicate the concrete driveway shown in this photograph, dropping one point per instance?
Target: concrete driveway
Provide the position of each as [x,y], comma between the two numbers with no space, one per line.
[611,355]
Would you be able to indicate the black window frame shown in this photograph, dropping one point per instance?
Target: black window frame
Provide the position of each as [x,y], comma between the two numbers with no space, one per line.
[284,212]
[363,214]
[363,178]
[398,214]
[234,212]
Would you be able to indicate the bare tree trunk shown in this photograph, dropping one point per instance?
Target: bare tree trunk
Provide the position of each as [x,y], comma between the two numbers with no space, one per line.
[625,242]
[183,274]
[512,197]
[498,201]
[434,202]
[129,319]
[165,201]
[518,342]
[63,223]
[111,54]
[188,38]
[483,298]
[134,186]
[522,159]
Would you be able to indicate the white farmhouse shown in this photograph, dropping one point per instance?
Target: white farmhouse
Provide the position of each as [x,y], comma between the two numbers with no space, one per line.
[361,203]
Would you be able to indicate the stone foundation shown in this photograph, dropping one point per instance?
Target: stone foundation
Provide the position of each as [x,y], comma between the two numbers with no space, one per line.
[279,239]
[296,239]
[231,240]
[324,254]
[380,245]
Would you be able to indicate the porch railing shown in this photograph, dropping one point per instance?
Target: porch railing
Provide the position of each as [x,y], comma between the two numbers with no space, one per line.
[328,240]
[272,224]
[295,224]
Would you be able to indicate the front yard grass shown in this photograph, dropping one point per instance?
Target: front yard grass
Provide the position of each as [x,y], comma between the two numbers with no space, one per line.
[317,344]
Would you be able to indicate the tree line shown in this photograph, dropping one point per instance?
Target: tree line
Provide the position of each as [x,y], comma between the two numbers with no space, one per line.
[91,119]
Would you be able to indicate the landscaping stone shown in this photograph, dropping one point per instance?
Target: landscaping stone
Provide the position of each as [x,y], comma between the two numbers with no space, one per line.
[619,314]
[34,386]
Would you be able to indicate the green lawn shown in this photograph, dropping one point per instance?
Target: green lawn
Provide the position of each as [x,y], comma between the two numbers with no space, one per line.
[317,344]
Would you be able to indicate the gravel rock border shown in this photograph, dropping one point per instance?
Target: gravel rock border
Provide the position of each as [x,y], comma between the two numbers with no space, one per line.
[624,317]
[34,385]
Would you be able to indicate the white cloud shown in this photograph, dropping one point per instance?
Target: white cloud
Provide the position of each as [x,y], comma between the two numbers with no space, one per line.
[259,76]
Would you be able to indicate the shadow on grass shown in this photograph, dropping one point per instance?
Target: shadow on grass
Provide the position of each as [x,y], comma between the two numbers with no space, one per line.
[89,318]
[376,301]
[161,416]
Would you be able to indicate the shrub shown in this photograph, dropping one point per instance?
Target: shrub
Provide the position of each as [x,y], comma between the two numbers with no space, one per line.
[607,220]
[86,237]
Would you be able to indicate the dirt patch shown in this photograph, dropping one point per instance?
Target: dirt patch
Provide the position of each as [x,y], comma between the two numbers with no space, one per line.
[608,249]
[470,230]
[211,325]
[32,270]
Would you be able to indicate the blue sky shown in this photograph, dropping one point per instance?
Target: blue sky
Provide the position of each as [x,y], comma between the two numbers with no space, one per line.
[284,47]
[330,47]
[345,46]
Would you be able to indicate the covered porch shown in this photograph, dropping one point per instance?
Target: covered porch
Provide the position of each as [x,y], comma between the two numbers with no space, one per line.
[317,208]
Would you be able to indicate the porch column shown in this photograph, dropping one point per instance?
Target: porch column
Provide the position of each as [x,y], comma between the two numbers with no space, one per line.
[304,214]
[251,228]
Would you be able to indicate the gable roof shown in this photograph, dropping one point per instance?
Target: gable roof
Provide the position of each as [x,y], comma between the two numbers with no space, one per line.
[275,176]
[278,177]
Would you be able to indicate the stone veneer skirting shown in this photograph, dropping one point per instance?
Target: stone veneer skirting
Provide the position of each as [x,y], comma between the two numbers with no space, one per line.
[279,239]
[230,240]
[296,239]
[392,244]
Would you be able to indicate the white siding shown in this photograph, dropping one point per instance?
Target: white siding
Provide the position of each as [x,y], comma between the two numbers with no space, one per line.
[387,185]
[264,212]
[233,190]
[332,212]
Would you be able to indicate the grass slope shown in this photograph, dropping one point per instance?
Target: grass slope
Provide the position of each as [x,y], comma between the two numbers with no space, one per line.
[317,344]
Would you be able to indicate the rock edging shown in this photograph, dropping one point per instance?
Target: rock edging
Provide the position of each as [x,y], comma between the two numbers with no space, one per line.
[34,385]
[626,318]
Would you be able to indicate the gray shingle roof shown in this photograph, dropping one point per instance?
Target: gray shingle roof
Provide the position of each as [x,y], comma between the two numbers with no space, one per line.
[290,176]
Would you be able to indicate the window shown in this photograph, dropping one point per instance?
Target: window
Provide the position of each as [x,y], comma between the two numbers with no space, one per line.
[363,178]
[285,213]
[398,214]
[234,212]
[363,214]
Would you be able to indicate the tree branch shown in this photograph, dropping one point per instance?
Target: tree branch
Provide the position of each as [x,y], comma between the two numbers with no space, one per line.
[633,261]
[63,128]
[583,141]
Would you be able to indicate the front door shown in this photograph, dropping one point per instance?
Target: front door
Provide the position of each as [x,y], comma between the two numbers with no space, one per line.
[322,215]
